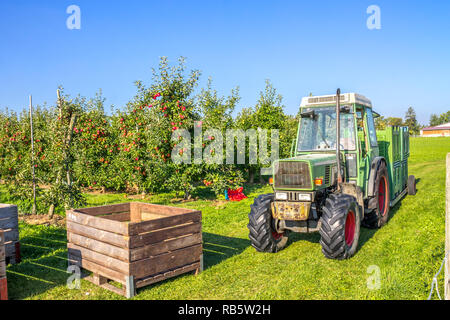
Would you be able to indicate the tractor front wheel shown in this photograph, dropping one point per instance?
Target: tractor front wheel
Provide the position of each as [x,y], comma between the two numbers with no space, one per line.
[263,235]
[340,226]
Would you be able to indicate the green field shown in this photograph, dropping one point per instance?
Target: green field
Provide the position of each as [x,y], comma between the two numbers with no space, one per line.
[408,251]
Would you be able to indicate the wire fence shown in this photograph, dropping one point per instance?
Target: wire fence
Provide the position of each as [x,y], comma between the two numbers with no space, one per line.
[434,282]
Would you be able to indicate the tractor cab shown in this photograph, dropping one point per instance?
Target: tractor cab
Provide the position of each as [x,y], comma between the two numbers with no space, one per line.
[357,141]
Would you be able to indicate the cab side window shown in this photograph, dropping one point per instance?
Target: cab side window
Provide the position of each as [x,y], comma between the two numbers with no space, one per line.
[360,126]
[371,128]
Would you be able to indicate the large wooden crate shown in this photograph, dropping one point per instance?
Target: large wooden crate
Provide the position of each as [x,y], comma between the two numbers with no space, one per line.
[3,281]
[9,223]
[135,244]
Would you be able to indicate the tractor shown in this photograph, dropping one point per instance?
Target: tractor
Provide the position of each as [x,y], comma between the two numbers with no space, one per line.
[342,174]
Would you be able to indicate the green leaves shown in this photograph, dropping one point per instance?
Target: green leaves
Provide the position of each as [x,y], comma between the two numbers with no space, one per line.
[130,149]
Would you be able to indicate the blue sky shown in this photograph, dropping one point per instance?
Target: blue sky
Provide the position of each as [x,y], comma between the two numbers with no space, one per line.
[301,46]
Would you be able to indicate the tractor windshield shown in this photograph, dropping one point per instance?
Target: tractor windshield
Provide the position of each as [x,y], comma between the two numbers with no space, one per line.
[318,130]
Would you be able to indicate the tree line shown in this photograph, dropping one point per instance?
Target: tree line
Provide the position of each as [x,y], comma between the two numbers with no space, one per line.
[410,120]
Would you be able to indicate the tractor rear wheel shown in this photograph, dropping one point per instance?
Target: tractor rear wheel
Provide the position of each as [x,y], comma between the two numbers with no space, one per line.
[340,226]
[412,185]
[380,215]
[263,235]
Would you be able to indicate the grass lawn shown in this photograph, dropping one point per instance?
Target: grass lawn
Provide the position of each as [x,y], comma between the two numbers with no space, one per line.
[408,251]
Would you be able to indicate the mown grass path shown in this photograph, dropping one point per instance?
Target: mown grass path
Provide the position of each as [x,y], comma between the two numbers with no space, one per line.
[407,251]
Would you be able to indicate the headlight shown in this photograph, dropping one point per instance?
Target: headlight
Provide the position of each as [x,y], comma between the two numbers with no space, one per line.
[281,196]
[304,197]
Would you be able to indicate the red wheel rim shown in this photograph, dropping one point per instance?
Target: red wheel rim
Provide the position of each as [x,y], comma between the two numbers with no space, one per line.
[382,198]
[276,235]
[350,225]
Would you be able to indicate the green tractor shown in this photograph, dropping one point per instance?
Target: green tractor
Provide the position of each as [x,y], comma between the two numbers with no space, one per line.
[341,175]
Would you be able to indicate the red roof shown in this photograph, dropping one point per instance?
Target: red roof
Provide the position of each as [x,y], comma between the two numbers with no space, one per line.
[444,126]
[436,128]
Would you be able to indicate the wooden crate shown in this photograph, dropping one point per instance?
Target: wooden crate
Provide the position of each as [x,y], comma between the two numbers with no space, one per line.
[3,282]
[9,222]
[135,244]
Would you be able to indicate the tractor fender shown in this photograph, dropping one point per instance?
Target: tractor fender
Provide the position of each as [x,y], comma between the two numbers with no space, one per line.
[354,191]
[376,162]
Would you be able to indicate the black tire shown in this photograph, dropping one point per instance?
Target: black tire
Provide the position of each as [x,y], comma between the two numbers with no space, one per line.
[378,217]
[412,186]
[263,236]
[340,226]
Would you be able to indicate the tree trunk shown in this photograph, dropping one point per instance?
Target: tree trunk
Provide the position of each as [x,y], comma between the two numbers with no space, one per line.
[51,211]
[67,145]
[261,179]
[73,120]
[251,175]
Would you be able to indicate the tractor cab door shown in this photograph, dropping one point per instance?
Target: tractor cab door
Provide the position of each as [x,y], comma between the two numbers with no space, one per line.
[371,134]
[367,143]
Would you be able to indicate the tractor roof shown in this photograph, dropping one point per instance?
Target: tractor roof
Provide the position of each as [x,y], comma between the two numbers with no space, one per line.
[315,101]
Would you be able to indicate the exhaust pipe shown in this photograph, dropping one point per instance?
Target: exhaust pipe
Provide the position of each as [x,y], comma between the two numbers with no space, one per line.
[338,136]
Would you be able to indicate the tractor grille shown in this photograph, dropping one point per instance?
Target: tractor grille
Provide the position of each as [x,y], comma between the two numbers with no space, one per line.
[327,175]
[292,174]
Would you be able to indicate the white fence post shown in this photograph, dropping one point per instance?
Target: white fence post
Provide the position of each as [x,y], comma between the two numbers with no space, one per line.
[447,229]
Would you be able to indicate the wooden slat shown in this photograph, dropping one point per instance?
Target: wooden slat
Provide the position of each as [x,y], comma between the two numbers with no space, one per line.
[157,208]
[163,234]
[167,275]
[135,212]
[2,237]
[9,223]
[100,235]
[97,222]
[2,269]
[10,248]
[96,268]
[106,285]
[8,211]
[101,259]
[146,226]
[151,266]
[165,246]
[2,253]
[11,234]
[121,217]
[113,208]
[98,279]
[99,246]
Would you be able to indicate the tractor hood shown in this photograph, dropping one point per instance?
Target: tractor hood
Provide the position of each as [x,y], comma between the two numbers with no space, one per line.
[305,172]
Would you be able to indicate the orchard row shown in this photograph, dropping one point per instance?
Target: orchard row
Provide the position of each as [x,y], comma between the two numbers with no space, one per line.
[78,145]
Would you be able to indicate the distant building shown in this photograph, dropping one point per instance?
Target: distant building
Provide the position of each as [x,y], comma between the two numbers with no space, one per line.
[442,130]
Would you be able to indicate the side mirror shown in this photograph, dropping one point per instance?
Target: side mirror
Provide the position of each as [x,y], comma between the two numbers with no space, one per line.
[346,109]
[308,114]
